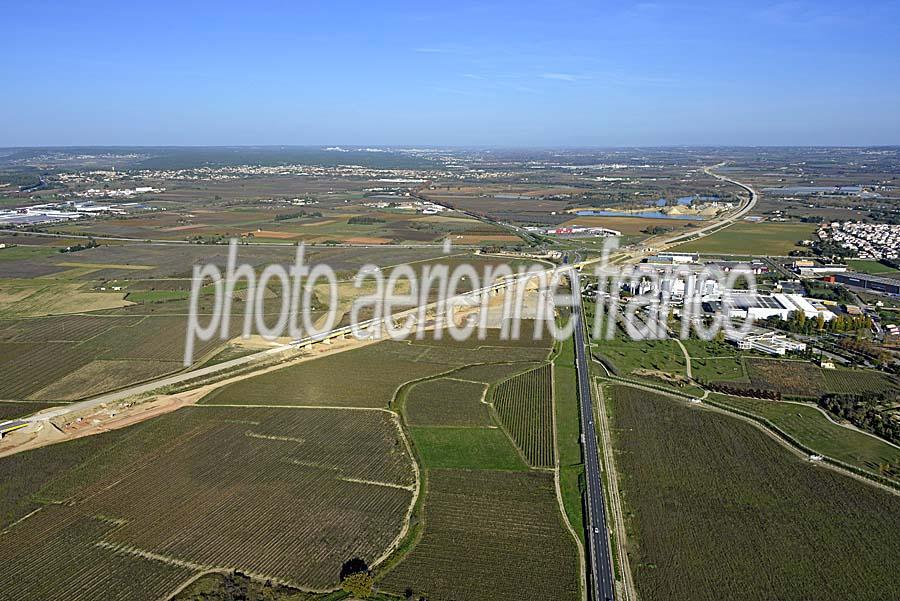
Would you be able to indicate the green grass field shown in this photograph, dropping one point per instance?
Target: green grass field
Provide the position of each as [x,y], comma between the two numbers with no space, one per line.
[745,238]
[568,429]
[715,509]
[809,426]
[466,448]
[711,360]
[629,355]
[871,267]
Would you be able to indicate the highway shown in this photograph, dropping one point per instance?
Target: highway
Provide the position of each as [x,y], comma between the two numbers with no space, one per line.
[635,252]
[599,556]
[722,223]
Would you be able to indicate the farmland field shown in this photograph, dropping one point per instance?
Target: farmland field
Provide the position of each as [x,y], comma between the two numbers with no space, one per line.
[858,381]
[783,528]
[54,555]
[9,410]
[447,402]
[490,535]
[466,448]
[871,267]
[524,404]
[485,518]
[365,377]
[102,375]
[36,297]
[492,373]
[370,376]
[329,222]
[794,378]
[630,226]
[493,337]
[267,491]
[744,238]
[810,427]
[27,473]
[74,356]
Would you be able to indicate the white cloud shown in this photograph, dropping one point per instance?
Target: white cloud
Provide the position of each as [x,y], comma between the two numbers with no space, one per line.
[560,76]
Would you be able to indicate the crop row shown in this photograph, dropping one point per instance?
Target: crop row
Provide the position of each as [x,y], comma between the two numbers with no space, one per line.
[67,328]
[365,377]
[846,381]
[286,493]
[490,535]
[54,556]
[775,515]
[524,404]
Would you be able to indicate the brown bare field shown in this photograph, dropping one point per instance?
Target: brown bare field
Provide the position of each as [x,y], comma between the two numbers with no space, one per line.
[27,298]
[367,240]
[271,234]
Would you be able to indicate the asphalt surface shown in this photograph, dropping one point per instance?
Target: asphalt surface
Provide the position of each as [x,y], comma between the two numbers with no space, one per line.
[599,556]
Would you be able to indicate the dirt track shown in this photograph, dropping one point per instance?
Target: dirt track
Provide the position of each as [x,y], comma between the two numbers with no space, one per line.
[124,413]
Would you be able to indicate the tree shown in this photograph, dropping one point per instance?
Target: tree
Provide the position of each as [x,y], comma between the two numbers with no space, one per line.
[356,579]
[359,585]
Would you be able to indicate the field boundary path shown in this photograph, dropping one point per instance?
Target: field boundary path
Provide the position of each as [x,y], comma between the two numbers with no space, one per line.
[687,358]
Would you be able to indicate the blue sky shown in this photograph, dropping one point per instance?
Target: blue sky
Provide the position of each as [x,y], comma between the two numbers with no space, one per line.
[483,73]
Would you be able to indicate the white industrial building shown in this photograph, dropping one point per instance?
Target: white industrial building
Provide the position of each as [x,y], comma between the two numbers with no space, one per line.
[770,343]
[763,306]
[673,258]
